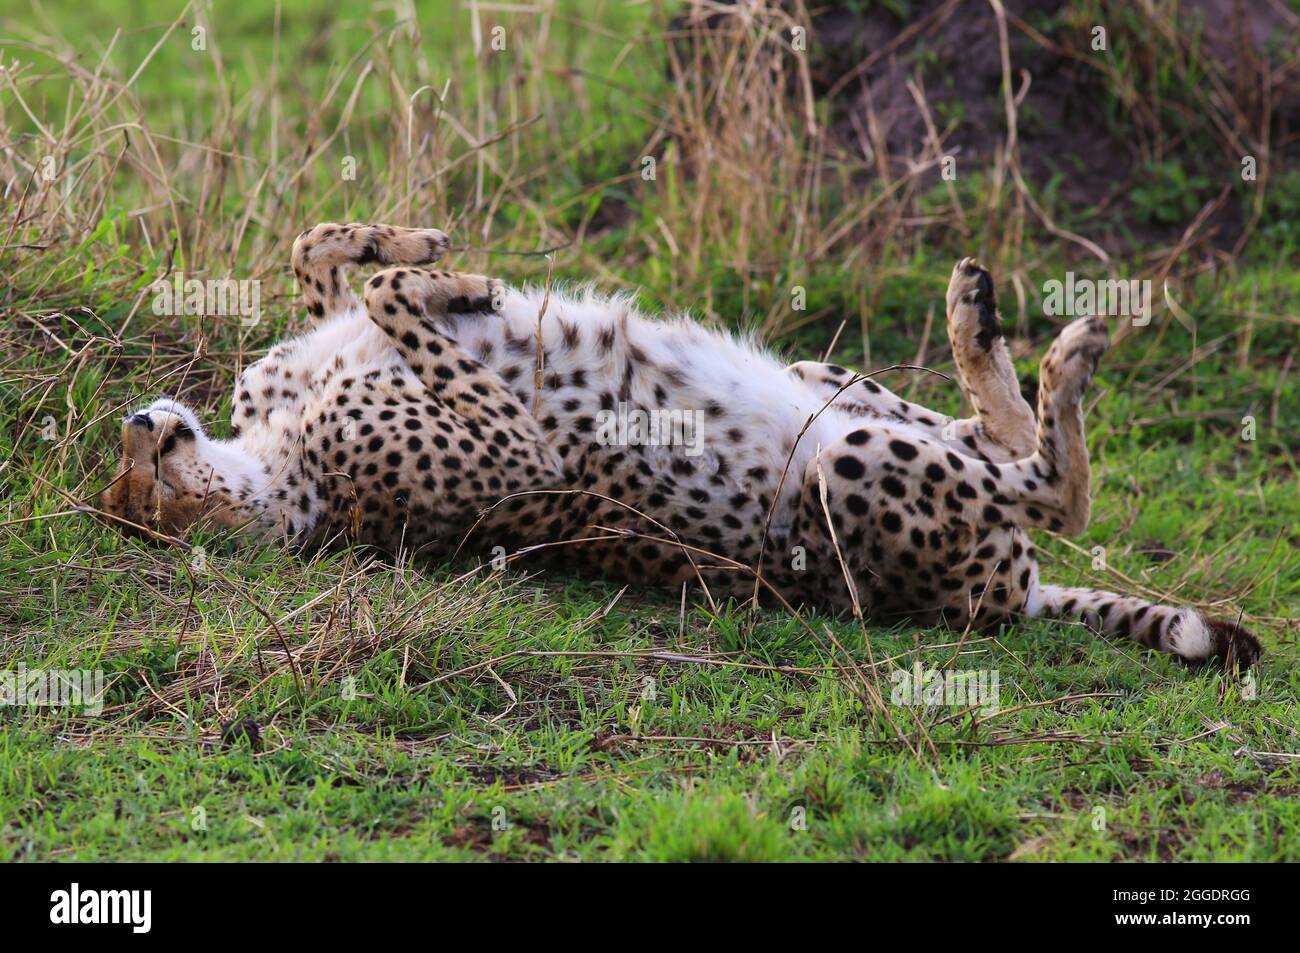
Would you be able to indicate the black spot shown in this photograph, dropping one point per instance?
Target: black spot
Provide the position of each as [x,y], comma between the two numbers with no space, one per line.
[902,449]
[893,486]
[850,468]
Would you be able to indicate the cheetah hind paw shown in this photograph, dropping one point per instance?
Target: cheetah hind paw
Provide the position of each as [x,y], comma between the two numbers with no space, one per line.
[1072,359]
[973,306]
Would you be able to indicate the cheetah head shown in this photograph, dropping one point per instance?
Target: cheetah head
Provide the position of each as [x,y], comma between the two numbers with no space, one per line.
[163,481]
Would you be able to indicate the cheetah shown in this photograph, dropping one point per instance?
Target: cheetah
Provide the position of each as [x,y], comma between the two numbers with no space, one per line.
[443,410]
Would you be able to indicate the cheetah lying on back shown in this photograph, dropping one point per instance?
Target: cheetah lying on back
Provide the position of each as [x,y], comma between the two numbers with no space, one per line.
[415,419]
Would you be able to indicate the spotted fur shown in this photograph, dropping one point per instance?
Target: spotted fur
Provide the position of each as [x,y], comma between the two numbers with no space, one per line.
[423,417]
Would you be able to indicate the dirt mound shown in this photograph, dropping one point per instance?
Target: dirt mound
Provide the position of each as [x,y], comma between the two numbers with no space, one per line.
[1141,126]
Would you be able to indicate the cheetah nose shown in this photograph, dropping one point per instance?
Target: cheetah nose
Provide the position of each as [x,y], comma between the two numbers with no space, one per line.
[140,420]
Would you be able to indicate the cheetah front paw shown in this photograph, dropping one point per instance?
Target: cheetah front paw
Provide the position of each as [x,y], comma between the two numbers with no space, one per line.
[456,293]
[435,244]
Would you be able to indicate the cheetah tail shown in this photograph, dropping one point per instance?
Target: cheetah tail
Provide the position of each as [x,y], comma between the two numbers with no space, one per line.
[1182,632]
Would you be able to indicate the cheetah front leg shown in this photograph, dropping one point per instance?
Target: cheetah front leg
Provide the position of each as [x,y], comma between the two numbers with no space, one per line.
[406,303]
[322,254]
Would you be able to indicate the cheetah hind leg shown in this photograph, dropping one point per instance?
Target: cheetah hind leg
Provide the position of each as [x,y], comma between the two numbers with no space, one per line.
[921,528]
[1061,468]
[847,391]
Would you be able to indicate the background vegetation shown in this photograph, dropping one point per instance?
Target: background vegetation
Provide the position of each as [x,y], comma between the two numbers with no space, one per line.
[430,711]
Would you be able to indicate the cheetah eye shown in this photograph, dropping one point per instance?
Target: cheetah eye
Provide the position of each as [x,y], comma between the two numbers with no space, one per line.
[183,432]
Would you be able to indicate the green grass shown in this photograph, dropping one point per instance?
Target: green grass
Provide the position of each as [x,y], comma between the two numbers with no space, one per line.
[448,712]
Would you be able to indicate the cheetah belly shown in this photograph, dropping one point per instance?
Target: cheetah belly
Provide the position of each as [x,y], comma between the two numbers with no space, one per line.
[710,486]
